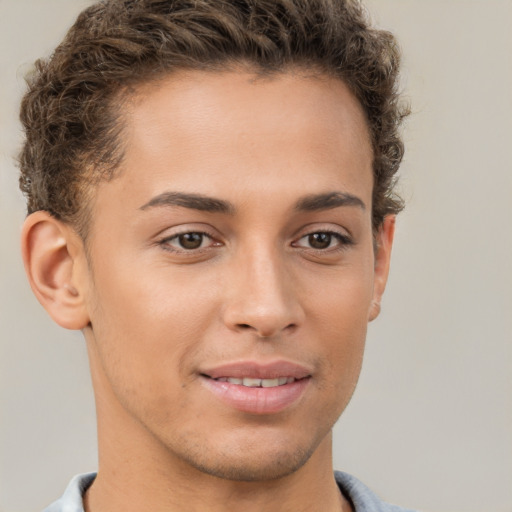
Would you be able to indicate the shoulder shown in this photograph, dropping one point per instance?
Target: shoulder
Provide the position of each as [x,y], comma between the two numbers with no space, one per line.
[362,498]
[71,500]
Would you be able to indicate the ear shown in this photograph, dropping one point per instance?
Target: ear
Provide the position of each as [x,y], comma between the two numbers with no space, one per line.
[384,243]
[55,263]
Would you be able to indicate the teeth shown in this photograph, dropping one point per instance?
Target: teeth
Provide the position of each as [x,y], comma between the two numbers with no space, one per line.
[251,383]
[258,383]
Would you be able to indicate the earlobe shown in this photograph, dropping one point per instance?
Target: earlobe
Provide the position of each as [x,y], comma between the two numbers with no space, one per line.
[384,243]
[53,259]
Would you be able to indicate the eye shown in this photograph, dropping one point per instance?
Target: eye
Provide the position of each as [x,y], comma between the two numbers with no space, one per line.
[189,241]
[323,240]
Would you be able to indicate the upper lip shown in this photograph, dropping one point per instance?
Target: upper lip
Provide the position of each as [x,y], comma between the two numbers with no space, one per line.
[253,369]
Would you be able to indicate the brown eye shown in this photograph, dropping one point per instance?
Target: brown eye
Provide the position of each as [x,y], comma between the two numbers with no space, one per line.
[320,240]
[324,241]
[189,243]
[190,240]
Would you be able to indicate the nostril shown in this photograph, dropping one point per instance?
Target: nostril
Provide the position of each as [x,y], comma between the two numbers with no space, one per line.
[265,332]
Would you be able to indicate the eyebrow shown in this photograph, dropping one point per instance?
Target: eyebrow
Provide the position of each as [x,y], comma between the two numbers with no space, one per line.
[316,202]
[313,202]
[192,201]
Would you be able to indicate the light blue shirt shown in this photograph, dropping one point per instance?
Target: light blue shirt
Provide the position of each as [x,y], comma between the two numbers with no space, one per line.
[362,499]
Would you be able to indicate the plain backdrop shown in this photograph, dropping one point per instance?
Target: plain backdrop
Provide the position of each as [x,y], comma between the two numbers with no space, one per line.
[430,426]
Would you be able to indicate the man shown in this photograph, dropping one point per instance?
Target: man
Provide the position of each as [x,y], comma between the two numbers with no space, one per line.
[210,197]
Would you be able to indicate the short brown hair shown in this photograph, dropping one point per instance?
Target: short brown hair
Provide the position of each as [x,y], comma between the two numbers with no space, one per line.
[71,112]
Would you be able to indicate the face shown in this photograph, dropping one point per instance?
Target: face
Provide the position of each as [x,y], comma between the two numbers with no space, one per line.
[232,270]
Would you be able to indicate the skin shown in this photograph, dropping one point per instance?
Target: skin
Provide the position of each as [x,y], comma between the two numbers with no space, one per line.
[156,314]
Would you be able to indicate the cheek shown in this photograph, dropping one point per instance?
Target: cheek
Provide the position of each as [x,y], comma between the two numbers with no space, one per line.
[148,322]
[341,301]
[148,298]
[339,319]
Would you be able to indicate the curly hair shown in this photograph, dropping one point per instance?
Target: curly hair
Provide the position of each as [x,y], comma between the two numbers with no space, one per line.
[72,111]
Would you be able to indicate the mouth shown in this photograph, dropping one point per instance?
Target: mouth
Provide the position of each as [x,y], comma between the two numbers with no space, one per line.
[252,382]
[258,388]
[256,374]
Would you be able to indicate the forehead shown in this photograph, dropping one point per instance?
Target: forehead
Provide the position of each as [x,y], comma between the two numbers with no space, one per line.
[223,133]
[195,106]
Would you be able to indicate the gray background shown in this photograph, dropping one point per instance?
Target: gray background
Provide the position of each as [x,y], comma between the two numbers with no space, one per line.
[430,426]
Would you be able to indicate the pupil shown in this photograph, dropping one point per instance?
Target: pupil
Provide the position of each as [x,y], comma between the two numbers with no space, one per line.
[191,240]
[320,240]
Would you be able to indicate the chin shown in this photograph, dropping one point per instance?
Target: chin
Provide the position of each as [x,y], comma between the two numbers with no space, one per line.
[264,468]
[251,461]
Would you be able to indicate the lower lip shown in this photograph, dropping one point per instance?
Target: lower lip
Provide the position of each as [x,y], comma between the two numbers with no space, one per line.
[257,400]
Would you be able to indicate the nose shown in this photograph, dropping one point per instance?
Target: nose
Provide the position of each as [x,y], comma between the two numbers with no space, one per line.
[261,296]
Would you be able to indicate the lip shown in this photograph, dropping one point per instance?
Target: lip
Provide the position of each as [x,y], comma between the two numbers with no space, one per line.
[257,400]
[257,370]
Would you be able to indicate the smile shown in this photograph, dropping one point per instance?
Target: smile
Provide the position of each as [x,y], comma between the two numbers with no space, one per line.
[257,383]
[257,388]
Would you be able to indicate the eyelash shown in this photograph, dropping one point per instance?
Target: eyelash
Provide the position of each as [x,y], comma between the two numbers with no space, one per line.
[343,240]
[165,242]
